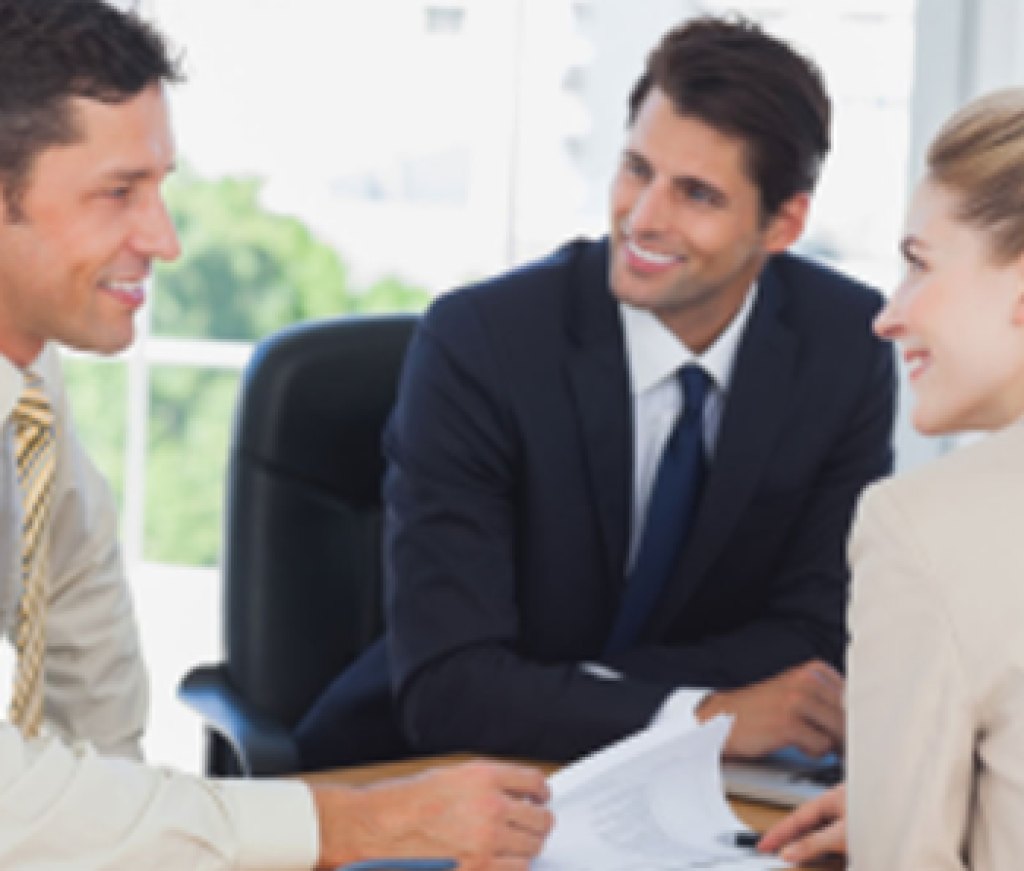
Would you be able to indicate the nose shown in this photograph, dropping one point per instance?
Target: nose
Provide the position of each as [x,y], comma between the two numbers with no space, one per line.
[650,210]
[155,234]
[888,323]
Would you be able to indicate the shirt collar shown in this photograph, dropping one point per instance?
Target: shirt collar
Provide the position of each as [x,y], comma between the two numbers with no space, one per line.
[654,353]
[12,379]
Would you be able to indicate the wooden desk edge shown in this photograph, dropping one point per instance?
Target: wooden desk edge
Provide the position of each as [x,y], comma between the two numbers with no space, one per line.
[754,814]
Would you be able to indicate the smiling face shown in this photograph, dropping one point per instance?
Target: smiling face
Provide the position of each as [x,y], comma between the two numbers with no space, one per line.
[958,318]
[91,220]
[687,234]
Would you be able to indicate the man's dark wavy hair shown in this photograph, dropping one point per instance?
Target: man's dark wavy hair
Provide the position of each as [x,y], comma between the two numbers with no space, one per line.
[52,51]
[731,75]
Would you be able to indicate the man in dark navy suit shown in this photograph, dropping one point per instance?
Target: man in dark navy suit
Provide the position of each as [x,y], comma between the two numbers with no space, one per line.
[529,478]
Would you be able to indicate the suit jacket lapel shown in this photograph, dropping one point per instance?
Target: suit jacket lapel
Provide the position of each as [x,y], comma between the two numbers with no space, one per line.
[756,409]
[600,388]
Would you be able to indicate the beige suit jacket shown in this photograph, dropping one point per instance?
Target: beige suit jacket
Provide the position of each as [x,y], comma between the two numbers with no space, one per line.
[936,665]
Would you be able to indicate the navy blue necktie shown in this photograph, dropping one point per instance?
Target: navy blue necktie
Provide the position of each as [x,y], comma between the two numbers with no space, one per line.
[670,513]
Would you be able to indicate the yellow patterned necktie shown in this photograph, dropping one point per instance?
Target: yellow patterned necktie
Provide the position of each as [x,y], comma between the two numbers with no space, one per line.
[35,456]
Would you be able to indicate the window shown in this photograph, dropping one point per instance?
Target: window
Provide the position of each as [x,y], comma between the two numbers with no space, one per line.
[443,19]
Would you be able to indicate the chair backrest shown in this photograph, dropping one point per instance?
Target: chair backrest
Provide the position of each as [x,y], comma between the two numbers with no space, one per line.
[302,558]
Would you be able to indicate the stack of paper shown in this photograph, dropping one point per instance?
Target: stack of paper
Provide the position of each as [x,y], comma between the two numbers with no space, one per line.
[653,802]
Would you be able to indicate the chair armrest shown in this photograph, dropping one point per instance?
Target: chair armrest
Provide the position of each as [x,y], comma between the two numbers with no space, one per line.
[262,745]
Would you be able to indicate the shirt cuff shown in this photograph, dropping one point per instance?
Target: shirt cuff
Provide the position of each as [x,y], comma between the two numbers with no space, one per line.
[276,823]
[679,705]
[600,671]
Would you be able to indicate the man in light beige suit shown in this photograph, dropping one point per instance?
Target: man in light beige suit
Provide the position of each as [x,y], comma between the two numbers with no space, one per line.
[85,145]
[936,665]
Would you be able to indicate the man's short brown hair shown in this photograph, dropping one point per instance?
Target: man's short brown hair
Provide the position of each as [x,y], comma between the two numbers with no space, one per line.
[54,50]
[731,75]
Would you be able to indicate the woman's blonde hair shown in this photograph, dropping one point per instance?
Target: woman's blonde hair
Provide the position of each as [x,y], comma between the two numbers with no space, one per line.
[979,156]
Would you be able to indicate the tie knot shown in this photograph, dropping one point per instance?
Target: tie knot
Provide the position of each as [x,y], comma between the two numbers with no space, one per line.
[33,405]
[694,381]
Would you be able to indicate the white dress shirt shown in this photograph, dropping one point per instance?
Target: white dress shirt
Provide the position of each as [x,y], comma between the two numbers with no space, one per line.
[654,356]
[62,805]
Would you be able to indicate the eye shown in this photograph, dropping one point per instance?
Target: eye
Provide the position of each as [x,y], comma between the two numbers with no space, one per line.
[699,192]
[636,167]
[117,193]
[914,263]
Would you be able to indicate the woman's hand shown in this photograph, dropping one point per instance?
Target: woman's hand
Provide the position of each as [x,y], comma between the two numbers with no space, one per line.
[816,828]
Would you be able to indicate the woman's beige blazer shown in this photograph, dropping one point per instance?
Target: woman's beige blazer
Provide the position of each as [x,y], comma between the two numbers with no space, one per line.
[936,665]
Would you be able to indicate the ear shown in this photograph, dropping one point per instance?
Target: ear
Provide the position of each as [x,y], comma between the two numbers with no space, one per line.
[787,224]
[1017,314]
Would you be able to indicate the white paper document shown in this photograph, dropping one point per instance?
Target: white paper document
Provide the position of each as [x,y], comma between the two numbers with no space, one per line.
[653,802]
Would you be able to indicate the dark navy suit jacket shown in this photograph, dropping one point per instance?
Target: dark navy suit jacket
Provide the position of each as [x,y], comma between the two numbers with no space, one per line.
[508,500]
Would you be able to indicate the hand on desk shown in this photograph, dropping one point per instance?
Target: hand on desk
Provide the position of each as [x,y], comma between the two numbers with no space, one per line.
[485,815]
[802,706]
[813,830]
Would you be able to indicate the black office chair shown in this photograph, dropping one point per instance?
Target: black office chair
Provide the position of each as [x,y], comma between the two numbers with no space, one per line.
[302,559]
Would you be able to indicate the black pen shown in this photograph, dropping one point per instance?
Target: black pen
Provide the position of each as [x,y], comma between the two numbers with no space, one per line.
[747,840]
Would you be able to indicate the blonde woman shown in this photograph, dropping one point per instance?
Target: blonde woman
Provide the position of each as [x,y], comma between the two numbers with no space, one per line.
[935,700]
